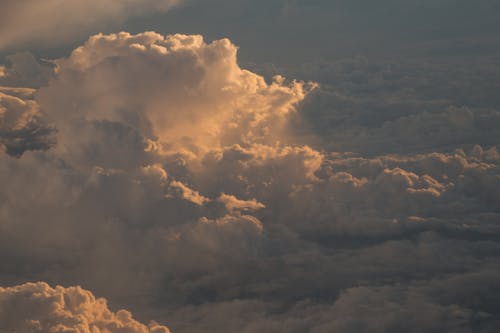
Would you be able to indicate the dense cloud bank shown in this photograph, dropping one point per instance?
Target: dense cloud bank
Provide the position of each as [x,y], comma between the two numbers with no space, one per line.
[166,178]
[404,106]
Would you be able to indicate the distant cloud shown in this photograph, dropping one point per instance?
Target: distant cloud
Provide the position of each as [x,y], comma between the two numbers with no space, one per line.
[232,203]
[38,308]
[54,22]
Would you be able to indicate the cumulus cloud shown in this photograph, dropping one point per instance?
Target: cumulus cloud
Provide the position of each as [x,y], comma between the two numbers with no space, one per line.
[371,107]
[189,96]
[56,22]
[21,125]
[188,194]
[181,187]
[232,203]
[36,307]
[193,110]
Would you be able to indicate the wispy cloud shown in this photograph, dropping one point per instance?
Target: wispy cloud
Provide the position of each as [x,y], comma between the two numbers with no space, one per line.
[55,22]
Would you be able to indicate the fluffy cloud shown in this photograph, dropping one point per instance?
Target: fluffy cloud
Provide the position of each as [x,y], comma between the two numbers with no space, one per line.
[371,107]
[21,125]
[36,307]
[192,111]
[192,180]
[189,97]
[57,22]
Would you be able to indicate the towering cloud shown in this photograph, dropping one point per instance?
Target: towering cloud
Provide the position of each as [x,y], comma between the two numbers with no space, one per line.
[188,96]
[163,148]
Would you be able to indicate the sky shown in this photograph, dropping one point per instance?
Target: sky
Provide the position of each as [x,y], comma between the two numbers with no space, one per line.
[194,166]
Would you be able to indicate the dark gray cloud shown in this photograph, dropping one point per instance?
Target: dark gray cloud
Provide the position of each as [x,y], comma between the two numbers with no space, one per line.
[378,107]
[22,126]
[24,70]
[361,309]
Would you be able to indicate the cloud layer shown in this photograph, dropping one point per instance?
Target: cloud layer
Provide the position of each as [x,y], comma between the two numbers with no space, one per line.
[156,172]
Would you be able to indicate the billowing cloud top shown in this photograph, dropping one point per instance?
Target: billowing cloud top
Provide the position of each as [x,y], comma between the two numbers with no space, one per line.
[36,307]
[189,96]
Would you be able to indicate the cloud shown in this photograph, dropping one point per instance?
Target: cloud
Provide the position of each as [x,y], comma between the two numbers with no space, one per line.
[24,70]
[21,125]
[232,203]
[183,186]
[380,107]
[153,151]
[57,22]
[357,309]
[188,194]
[189,96]
[36,307]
